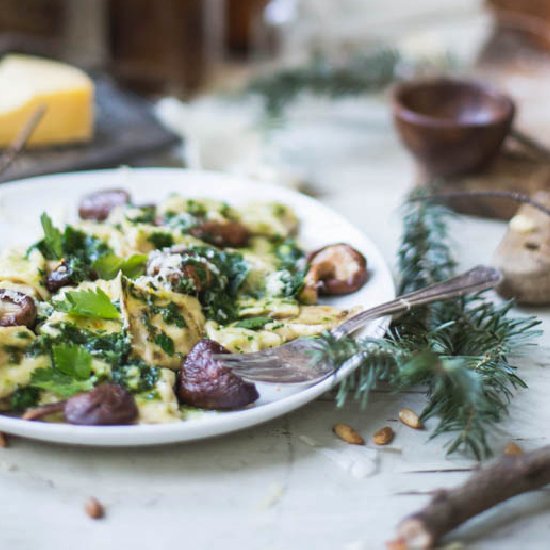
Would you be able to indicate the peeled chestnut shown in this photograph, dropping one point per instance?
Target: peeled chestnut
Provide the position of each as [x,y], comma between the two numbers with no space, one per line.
[205,383]
[16,309]
[222,233]
[107,405]
[335,269]
[98,205]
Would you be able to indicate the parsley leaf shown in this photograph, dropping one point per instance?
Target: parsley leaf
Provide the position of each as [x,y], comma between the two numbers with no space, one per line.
[88,303]
[107,267]
[52,237]
[24,398]
[254,323]
[74,361]
[134,266]
[52,380]
[160,239]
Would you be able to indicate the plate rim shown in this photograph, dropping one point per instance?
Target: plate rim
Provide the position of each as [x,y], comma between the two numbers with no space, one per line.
[211,425]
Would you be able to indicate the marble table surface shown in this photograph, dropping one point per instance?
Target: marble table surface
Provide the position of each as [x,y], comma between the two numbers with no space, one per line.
[269,487]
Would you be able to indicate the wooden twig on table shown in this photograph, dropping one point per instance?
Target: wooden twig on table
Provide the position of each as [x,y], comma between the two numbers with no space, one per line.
[531,145]
[512,195]
[10,154]
[505,478]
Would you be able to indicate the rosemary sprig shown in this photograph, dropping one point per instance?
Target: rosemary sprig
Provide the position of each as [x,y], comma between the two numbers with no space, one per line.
[458,349]
[370,72]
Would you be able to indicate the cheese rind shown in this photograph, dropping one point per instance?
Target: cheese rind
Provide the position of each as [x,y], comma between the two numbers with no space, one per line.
[27,82]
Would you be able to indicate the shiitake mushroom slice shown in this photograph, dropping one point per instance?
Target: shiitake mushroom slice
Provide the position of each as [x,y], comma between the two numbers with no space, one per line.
[107,405]
[334,270]
[205,383]
[16,309]
[98,205]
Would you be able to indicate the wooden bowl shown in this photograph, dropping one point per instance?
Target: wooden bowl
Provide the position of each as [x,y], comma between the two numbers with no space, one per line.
[451,127]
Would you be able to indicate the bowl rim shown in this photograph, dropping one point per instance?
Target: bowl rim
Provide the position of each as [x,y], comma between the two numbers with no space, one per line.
[404,113]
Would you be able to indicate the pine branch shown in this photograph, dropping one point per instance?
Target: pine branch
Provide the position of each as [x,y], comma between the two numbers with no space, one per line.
[459,349]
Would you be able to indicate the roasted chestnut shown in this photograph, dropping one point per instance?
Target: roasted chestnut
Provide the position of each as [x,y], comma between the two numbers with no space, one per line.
[98,205]
[16,309]
[222,233]
[207,384]
[334,270]
[108,404]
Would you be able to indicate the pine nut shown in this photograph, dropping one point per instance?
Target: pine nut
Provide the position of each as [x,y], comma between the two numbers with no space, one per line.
[348,434]
[410,418]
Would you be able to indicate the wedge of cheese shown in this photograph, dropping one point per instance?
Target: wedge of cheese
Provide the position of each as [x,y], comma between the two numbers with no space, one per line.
[67,93]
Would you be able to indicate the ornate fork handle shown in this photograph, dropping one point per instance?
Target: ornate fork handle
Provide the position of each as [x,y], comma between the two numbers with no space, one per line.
[476,279]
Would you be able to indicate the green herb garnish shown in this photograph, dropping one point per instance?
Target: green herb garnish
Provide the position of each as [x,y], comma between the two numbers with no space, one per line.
[108,266]
[172,316]
[136,376]
[52,238]
[74,361]
[24,398]
[56,382]
[164,341]
[160,239]
[87,303]
[254,323]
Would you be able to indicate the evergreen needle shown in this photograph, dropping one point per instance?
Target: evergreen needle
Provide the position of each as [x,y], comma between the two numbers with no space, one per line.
[459,350]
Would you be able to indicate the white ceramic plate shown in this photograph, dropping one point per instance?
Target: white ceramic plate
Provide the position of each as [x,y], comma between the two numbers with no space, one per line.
[22,203]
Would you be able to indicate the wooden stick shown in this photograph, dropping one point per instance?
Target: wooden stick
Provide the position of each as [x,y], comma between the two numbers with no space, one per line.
[10,154]
[449,508]
[530,144]
[512,195]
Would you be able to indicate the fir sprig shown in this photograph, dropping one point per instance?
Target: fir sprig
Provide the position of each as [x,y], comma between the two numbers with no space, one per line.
[459,350]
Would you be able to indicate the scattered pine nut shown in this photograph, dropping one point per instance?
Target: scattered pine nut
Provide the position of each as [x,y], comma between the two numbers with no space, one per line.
[95,509]
[513,449]
[398,544]
[410,418]
[348,434]
[3,440]
[383,436]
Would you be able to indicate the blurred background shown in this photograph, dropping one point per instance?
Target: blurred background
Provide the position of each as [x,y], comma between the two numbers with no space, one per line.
[182,47]
[213,74]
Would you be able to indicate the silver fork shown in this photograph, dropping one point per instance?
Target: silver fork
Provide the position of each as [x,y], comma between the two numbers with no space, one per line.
[294,362]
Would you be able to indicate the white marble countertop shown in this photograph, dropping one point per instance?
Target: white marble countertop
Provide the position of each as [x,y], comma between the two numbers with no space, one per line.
[266,488]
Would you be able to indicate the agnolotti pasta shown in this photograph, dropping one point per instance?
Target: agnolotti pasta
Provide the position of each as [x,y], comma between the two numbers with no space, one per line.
[121,299]
[23,270]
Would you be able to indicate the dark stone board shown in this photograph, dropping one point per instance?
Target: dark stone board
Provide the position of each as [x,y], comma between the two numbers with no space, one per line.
[125,131]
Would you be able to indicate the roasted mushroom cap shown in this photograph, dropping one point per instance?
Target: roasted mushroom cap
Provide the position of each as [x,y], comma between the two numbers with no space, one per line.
[206,384]
[178,265]
[16,309]
[335,269]
[98,205]
[108,404]
[60,276]
[222,233]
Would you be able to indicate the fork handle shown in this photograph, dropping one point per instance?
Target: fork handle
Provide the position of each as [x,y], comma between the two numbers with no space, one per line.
[476,279]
